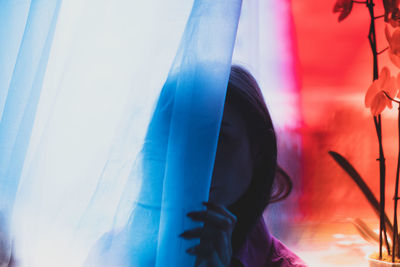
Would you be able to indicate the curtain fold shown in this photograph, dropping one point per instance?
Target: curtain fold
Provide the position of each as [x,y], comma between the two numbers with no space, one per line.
[199,77]
[87,150]
[177,158]
[13,18]
[110,113]
[21,84]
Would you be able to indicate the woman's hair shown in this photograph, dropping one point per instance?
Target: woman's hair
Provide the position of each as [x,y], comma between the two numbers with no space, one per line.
[269,183]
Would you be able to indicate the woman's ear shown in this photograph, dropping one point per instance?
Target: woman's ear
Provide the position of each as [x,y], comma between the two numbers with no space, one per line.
[282,186]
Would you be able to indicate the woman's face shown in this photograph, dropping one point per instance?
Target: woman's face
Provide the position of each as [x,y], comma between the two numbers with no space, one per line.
[233,161]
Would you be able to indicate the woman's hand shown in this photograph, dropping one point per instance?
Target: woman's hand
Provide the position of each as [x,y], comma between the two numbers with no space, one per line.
[215,248]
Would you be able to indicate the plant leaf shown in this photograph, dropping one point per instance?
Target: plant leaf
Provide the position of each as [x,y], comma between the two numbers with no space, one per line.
[367,233]
[351,171]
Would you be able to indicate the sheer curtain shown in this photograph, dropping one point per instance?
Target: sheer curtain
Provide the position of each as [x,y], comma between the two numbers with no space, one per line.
[110,112]
[109,129]
[26,37]
[26,34]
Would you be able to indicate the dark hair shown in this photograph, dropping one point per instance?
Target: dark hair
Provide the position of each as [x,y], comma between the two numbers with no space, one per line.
[269,182]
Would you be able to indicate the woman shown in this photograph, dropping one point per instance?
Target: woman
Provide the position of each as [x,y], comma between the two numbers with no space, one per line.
[243,178]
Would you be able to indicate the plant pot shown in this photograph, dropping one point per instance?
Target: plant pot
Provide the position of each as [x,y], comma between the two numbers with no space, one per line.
[380,263]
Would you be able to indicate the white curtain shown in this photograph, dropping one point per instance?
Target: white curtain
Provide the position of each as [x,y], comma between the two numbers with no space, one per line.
[85,162]
[86,136]
[26,34]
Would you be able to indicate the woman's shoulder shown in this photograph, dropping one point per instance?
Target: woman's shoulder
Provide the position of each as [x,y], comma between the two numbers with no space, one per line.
[262,249]
[282,256]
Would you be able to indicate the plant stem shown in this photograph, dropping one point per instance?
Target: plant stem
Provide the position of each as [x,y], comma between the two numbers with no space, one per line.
[372,39]
[378,127]
[383,50]
[382,170]
[396,196]
[388,96]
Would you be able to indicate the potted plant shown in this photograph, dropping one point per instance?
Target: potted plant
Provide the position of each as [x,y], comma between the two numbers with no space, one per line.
[382,93]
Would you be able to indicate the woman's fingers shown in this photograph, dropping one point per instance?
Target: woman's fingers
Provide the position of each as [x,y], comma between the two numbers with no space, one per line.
[193,233]
[211,217]
[215,248]
[206,255]
[220,209]
[218,239]
[222,244]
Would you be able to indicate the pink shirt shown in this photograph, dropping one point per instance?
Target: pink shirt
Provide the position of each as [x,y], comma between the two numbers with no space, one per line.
[261,249]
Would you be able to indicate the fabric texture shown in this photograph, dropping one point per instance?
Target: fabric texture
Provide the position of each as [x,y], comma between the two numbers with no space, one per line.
[261,249]
[26,31]
[177,158]
[78,83]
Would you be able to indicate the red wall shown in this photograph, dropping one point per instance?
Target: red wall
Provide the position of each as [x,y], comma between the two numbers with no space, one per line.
[335,70]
